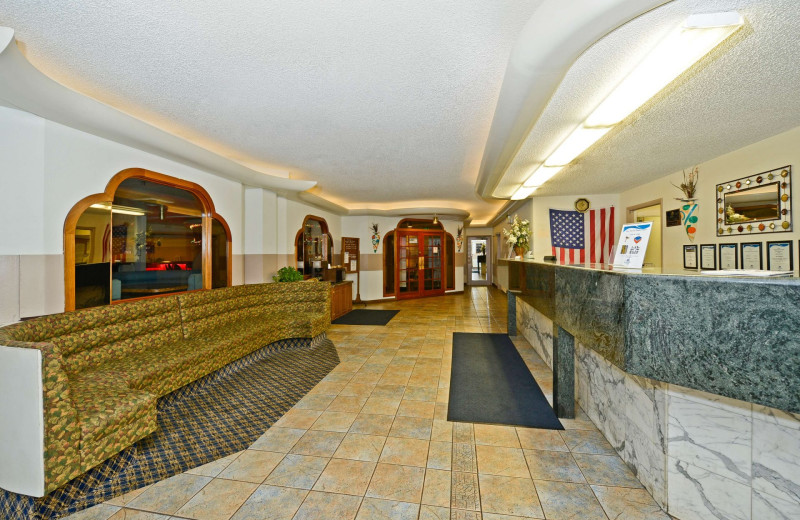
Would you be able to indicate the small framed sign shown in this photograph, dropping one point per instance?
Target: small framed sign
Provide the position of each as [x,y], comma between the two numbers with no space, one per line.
[751,256]
[690,257]
[708,257]
[729,256]
[779,256]
[673,217]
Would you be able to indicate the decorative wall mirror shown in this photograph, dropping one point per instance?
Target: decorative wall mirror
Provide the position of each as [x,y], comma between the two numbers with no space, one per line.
[761,203]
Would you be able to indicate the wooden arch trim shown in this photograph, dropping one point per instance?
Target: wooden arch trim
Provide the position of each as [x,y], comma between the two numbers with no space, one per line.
[386,255]
[107,196]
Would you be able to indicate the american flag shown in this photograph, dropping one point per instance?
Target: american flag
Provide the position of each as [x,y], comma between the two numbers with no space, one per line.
[573,233]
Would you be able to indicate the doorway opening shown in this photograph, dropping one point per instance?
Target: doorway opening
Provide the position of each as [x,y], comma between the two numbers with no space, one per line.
[649,212]
[479,260]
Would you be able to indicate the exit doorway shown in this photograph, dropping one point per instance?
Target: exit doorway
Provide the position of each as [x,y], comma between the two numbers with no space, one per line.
[649,212]
[479,260]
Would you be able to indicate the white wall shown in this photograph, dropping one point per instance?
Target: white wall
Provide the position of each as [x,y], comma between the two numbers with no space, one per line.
[45,168]
[777,151]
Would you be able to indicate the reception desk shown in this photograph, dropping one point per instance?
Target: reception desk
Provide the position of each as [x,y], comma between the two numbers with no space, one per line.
[693,379]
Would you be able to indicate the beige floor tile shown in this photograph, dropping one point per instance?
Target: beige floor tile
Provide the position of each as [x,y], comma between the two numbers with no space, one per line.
[411,427]
[443,393]
[350,477]
[344,403]
[133,514]
[252,466]
[463,433]
[493,435]
[464,491]
[553,465]
[509,462]
[420,393]
[436,491]
[98,512]
[219,500]
[328,506]
[169,495]
[509,496]
[357,390]
[212,469]
[535,439]
[460,514]
[434,513]
[334,421]
[591,442]
[563,500]
[318,443]
[271,503]
[389,392]
[606,470]
[422,409]
[442,431]
[297,471]
[366,378]
[393,482]
[440,412]
[372,424]
[628,504]
[126,498]
[279,440]
[314,402]
[408,452]
[328,388]
[393,379]
[378,509]
[440,455]
[356,446]
[297,418]
[381,406]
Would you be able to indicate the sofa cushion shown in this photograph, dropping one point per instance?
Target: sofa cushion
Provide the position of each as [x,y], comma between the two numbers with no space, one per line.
[111,414]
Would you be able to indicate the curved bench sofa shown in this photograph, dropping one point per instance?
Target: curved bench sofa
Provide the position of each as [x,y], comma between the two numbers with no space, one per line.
[78,387]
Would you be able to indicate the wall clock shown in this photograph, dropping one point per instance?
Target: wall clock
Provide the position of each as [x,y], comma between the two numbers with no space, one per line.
[582,204]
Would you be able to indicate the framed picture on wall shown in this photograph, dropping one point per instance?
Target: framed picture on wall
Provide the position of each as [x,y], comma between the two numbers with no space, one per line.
[690,257]
[729,256]
[751,256]
[708,257]
[779,256]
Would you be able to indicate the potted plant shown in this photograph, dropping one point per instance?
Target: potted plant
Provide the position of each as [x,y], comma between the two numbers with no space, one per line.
[288,274]
[689,184]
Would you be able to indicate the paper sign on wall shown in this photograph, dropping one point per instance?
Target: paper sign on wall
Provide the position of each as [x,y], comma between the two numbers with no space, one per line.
[632,245]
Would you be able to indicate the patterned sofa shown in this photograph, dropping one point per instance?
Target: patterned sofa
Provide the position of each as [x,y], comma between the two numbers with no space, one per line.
[102,369]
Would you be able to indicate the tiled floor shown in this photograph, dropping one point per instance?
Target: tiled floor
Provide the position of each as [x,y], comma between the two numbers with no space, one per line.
[372,441]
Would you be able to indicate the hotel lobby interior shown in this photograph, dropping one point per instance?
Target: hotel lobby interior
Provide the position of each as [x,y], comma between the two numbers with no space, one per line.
[384,261]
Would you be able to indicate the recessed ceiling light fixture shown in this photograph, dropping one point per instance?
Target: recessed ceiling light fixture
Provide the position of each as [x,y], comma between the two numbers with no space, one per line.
[681,49]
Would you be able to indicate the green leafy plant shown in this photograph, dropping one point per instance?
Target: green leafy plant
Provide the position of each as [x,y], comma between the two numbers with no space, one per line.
[288,274]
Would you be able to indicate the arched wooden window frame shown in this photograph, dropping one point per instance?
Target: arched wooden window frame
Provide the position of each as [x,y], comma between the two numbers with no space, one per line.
[450,262]
[299,254]
[386,255]
[107,196]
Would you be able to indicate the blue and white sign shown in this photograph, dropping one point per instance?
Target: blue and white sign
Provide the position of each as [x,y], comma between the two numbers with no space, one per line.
[632,245]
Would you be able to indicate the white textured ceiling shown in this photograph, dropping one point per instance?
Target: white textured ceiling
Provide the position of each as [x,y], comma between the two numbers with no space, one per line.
[740,95]
[381,103]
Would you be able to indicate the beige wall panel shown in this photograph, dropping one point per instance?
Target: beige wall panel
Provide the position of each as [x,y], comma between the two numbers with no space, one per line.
[461,259]
[9,289]
[253,268]
[237,269]
[371,262]
[41,285]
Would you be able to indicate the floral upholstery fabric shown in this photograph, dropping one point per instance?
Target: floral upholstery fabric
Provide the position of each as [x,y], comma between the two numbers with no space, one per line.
[104,368]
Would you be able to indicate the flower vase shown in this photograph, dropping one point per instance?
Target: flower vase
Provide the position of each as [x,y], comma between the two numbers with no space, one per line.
[519,251]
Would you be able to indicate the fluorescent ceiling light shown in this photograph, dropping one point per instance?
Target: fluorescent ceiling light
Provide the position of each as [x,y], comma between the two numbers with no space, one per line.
[676,53]
[121,210]
[574,145]
[523,193]
[542,175]
[681,49]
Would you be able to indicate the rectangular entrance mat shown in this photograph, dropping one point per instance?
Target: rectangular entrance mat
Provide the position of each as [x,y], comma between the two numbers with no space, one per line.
[490,383]
[366,317]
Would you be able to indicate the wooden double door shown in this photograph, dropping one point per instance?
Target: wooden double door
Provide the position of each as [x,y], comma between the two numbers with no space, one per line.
[419,263]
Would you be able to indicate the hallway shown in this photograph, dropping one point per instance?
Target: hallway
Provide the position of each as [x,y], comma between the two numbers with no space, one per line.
[371,441]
